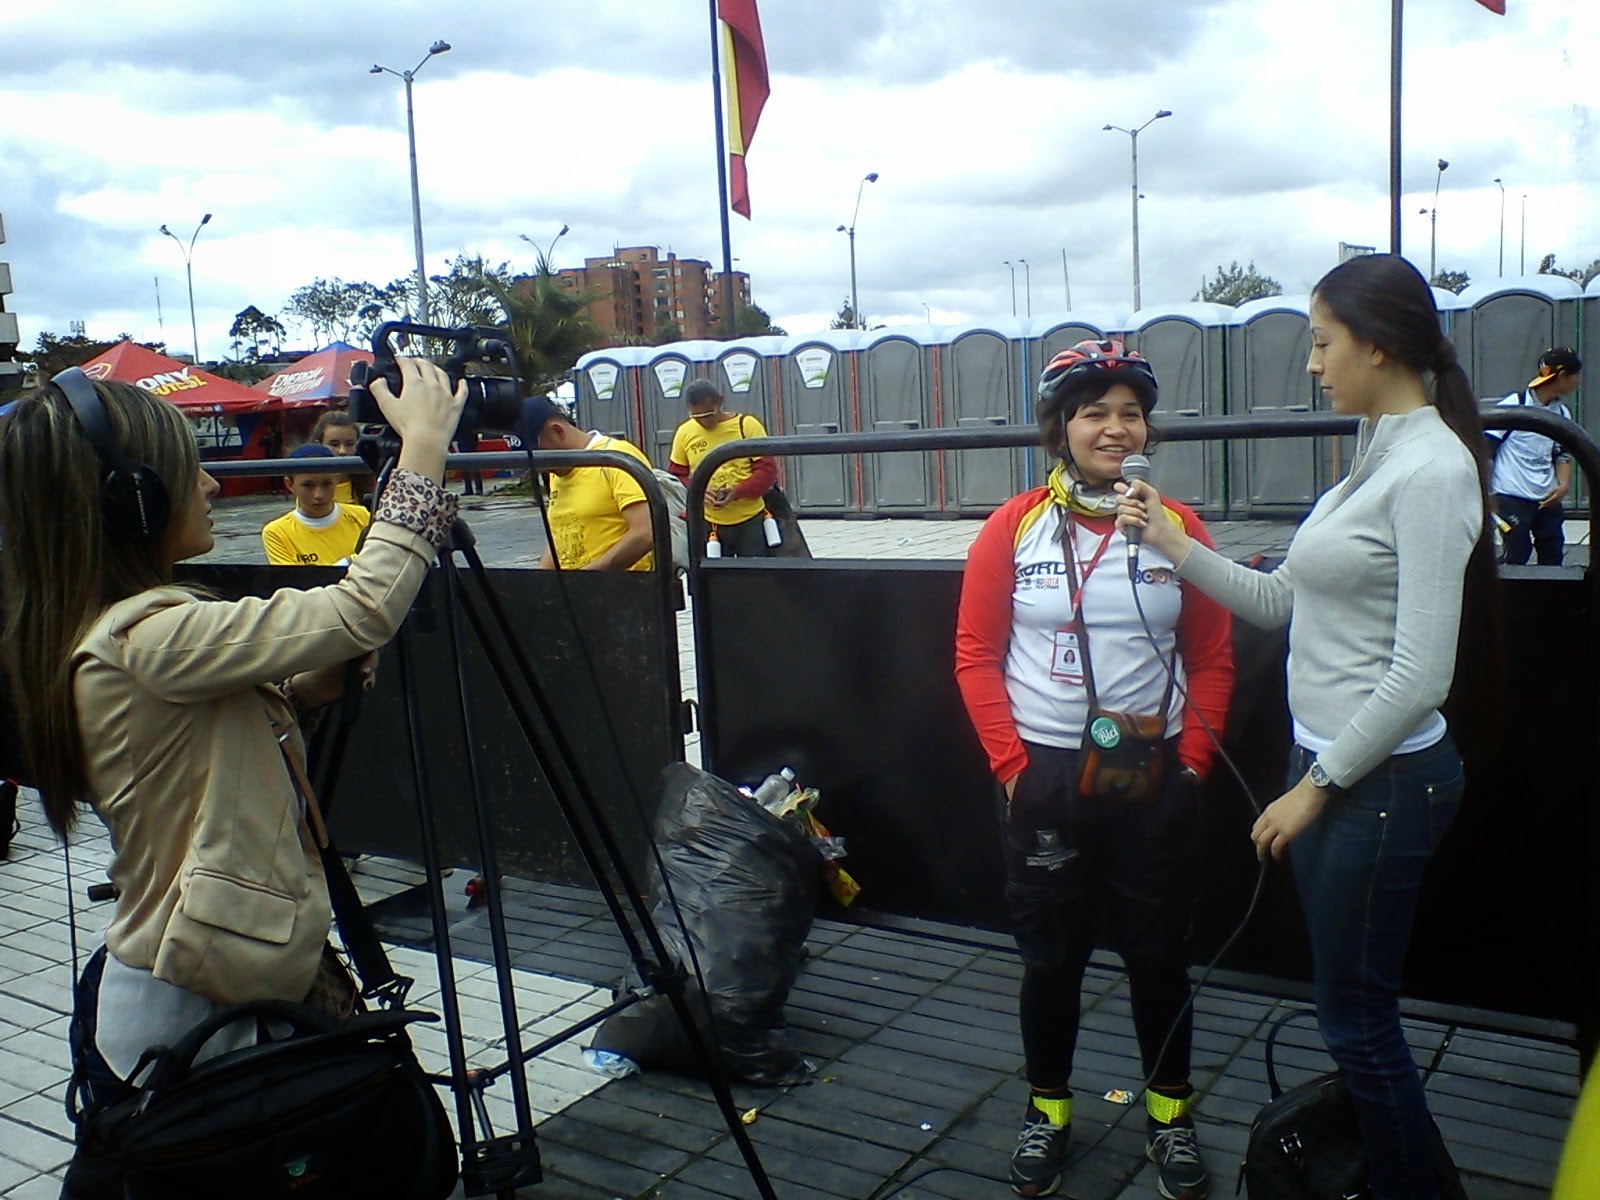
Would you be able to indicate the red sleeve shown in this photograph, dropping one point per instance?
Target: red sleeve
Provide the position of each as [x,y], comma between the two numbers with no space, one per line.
[983,635]
[763,474]
[678,470]
[1205,639]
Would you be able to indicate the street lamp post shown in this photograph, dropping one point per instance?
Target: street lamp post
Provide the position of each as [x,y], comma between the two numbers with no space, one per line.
[1522,256]
[188,270]
[1010,266]
[551,248]
[438,47]
[1433,224]
[1027,285]
[850,229]
[1502,227]
[1133,138]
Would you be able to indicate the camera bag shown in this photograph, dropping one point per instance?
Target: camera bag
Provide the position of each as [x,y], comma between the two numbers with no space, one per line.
[318,1108]
[1306,1145]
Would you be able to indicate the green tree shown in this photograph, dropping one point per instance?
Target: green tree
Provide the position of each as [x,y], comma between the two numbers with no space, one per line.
[547,324]
[1234,285]
[54,354]
[464,294]
[242,371]
[845,318]
[1582,275]
[667,331]
[1452,281]
[335,310]
[752,321]
[255,334]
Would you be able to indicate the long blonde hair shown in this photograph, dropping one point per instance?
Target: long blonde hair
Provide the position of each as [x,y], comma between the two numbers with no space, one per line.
[60,568]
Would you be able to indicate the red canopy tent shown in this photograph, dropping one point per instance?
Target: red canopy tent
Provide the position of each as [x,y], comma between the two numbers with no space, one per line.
[195,391]
[320,379]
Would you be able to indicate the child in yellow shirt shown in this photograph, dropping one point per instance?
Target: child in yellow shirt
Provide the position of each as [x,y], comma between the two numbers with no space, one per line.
[319,532]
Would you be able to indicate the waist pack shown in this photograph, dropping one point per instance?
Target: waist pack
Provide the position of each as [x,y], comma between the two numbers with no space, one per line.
[1306,1145]
[331,1109]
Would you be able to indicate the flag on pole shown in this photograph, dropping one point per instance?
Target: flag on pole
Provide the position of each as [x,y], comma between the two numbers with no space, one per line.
[1494,6]
[745,59]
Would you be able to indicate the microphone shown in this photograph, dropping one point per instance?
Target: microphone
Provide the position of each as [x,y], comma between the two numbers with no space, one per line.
[1135,467]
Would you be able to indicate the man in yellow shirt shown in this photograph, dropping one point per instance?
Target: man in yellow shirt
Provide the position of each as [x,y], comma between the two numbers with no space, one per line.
[319,532]
[736,496]
[598,515]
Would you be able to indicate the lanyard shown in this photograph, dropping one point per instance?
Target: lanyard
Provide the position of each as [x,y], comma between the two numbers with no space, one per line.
[1075,586]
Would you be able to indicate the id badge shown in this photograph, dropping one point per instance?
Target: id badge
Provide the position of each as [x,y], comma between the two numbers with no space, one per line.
[1066,659]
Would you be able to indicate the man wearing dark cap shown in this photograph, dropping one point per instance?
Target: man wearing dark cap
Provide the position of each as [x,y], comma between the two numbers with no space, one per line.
[598,515]
[1532,472]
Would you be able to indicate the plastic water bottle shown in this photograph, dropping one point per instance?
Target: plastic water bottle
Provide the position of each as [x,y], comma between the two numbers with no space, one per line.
[769,527]
[713,544]
[774,789]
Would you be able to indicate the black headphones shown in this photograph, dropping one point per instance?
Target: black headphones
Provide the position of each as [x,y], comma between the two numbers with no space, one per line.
[133,500]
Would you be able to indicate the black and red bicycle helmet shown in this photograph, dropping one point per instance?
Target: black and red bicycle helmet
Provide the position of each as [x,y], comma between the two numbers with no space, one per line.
[1104,354]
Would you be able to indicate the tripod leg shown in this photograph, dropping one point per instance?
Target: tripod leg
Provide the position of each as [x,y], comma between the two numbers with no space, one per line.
[435,887]
[558,763]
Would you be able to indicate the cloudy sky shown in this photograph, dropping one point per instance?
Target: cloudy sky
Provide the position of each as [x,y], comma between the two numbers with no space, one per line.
[983,118]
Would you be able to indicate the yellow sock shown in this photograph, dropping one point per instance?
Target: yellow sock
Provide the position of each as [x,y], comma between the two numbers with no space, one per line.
[1167,1109]
[1057,1109]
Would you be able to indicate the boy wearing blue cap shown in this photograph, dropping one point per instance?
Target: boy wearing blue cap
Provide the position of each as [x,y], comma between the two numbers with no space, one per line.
[319,532]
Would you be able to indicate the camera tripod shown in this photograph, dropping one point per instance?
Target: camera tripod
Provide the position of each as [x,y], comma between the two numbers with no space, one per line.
[498,1164]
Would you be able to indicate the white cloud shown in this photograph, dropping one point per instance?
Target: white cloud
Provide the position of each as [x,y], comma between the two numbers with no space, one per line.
[983,120]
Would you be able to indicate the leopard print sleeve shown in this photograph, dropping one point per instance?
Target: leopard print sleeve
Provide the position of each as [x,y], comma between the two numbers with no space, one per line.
[417,503]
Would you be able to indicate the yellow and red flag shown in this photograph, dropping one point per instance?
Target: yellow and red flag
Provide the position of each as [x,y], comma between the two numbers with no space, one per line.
[745,60]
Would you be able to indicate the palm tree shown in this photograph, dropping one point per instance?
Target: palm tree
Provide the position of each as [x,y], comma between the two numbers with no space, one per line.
[548,325]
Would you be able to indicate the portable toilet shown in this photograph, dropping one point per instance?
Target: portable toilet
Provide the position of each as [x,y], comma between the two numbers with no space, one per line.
[982,386]
[608,391]
[1268,342]
[1185,346]
[819,397]
[898,377]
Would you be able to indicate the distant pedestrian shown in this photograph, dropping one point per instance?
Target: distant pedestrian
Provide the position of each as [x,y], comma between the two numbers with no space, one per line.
[339,432]
[736,496]
[1533,473]
[471,481]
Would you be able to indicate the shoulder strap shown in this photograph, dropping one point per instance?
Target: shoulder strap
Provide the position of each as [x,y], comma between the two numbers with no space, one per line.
[1294,1014]
[378,977]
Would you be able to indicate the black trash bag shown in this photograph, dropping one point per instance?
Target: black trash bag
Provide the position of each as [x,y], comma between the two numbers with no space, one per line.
[746,884]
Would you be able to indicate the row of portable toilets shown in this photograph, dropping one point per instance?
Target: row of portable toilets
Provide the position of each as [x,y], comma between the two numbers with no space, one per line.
[1210,360]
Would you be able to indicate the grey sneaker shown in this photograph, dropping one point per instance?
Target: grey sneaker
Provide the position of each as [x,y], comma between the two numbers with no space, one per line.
[1180,1171]
[1040,1156]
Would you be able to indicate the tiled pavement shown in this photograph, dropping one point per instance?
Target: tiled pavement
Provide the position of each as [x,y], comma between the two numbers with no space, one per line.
[912,1028]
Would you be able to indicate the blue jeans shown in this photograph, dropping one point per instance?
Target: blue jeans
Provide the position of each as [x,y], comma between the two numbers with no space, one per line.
[1359,869]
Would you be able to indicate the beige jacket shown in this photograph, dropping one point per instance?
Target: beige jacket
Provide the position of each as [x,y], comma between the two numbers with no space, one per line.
[220,886]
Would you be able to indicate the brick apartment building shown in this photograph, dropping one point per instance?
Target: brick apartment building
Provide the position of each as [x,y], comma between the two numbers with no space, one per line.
[640,294]
[10,368]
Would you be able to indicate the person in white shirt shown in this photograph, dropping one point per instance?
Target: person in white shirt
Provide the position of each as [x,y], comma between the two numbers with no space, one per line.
[1532,473]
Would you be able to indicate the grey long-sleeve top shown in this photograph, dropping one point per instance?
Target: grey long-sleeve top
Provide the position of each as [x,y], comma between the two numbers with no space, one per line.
[1370,589]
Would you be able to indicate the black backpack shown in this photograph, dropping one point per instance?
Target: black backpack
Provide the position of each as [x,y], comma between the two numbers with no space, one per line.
[1305,1144]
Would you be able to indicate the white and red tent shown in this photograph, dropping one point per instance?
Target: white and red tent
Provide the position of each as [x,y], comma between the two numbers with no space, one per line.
[195,391]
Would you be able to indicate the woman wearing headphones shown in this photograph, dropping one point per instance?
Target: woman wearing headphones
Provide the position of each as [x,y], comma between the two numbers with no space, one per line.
[1372,590]
[1085,698]
[171,713]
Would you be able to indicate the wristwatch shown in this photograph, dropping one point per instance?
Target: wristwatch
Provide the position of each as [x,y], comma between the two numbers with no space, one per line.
[1319,777]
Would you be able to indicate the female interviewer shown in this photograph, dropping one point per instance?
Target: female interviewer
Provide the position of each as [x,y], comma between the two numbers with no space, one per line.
[1372,592]
[1041,641]
[165,709]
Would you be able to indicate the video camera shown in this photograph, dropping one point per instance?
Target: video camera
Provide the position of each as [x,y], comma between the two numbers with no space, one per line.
[493,402]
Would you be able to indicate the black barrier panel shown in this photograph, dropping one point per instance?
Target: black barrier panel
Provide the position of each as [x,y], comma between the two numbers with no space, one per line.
[844,670]
[619,620]
[857,693]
